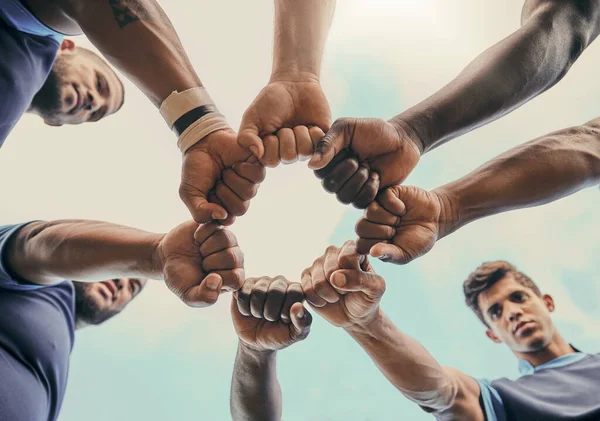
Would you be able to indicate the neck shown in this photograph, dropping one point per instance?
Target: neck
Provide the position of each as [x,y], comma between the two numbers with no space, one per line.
[556,348]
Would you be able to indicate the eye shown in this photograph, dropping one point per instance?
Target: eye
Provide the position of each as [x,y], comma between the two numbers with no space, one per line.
[495,313]
[98,84]
[518,297]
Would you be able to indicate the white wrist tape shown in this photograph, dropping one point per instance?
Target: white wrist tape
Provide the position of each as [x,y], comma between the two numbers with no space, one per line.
[192,115]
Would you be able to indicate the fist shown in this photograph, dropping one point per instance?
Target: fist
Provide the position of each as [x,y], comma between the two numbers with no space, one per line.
[200,262]
[343,288]
[267,313]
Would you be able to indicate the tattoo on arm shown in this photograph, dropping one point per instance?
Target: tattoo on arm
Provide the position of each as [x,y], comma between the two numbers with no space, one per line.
[127,11]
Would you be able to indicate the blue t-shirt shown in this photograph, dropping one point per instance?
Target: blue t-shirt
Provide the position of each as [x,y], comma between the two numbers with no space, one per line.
[27,52]
[564,389]
[37,328]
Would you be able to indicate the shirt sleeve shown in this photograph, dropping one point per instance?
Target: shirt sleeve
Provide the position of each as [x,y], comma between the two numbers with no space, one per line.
[491,401]
[8,281]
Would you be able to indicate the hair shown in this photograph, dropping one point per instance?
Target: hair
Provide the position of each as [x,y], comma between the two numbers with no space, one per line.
[90,53]
[485,276]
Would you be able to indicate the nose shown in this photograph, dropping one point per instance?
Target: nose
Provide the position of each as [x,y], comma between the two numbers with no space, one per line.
[91,102]
[513,312]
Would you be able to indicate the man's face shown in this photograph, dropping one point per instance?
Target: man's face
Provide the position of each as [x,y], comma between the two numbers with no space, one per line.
[517,316]
[96,302]
[81,88]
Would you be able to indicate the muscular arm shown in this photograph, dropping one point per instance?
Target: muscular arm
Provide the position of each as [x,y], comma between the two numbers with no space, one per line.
[136,37]
[301,29]
[537,172]
[49,252]
[255,390]
[447,393]
[552,36]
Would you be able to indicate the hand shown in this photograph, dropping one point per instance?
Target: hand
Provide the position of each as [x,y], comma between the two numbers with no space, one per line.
[268,314]
[385,152]
[343,287]
[290,145]
[403,224]
[198,263]
[284,103]
[217,169]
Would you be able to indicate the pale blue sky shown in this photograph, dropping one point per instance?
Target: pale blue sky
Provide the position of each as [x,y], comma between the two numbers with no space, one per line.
[160,360]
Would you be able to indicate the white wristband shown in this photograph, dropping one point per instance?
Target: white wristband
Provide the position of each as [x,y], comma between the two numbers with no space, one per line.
[179,103]
[200,129]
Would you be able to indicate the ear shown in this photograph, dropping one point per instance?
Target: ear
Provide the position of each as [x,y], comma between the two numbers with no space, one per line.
[51,123]
[549,302]
[493,336]
[67,45]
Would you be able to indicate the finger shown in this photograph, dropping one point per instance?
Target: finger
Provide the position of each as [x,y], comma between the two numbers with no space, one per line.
[332,143]
[330,263]
[201,210]
[252,170]
[275,299]
[321,285]
[271,156]
[368,192]
[249,140]
[230,219]
[378,215]
[364,245]
[239,185]
[287,146]
[390,253]
[205,294]
[205,231]
[349,280]
[349,257]
[243,296]
[233,279]
[221,239]
[231,201]
[230,258]
[301,321]
[340,157]
[258,298]
[304,144]
[367,229]
[353,186]
[340,175]
[391,202]
[294,294]
[307,287]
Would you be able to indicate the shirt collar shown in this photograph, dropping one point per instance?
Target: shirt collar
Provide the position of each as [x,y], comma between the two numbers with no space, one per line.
[526,368]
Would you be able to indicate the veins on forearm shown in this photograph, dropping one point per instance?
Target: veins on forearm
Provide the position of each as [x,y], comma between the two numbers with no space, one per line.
[128,11]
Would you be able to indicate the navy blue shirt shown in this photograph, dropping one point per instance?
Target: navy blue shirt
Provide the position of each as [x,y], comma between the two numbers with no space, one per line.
[27,52]
[37,328]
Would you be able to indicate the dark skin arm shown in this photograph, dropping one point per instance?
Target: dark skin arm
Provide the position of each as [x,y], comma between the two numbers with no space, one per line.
[552,36]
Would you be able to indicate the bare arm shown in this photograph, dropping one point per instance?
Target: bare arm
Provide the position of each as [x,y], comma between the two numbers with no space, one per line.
[447,393]
[137,37]
[552,36]
[255,390]
[301,29]
[537,172]
[49,252]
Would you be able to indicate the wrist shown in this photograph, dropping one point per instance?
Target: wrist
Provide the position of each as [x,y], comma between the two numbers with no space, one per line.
[157,258]
[450,218]
[413,130]
[294,74]
[367,325]
[254,353]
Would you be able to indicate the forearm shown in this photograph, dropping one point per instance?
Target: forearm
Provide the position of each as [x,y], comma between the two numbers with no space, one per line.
[507,75]
[407,364]
[49,252]
[537,172]
[301,29]
[255,391]
[137,37]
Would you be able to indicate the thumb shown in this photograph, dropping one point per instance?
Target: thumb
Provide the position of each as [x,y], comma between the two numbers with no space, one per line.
[301,321]
[390,253]
[329,146]
[349,280]
[205,294]
[203,211]
[248,139]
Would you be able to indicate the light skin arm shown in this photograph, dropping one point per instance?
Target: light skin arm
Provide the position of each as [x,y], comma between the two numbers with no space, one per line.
[405,221]
[534,58]
[268,316]
[137,37]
